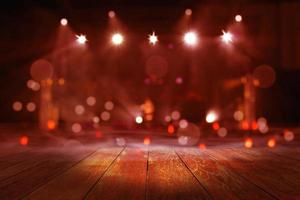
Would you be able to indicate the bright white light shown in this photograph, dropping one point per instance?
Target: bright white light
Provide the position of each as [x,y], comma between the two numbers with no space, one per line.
[64,21]
[81,39]
[238,18]
[117,39]
[190,38]
[139,120]
[211,117]
[227,37]
[153,39]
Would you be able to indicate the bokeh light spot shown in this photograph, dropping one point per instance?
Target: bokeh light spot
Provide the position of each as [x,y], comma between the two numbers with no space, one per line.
[17,106]
[23,140]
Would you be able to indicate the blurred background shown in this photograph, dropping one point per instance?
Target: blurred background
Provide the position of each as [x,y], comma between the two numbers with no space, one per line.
[62,64]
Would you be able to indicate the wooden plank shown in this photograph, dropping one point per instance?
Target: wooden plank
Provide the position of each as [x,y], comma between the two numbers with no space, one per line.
[220,181]
[126,179]
[288,152]
[24,161]
[77,181]
[267,160]
[23,183]
[270,178]
[15,159]
[11,151]
[168,178]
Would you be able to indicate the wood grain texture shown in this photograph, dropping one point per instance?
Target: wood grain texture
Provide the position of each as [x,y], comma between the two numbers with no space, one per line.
[103,171]
[77,181]
[220,181]
[127,176]
[23,183]
[291,153]
[168,178]
[264,171]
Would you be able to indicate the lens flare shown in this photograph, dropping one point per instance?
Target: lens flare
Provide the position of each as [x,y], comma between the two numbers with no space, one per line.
[211,116]
[227,37]
[117,39]
[238,18]
[139,120]
[153,39]
[64,21]
[81,39]
[190,38]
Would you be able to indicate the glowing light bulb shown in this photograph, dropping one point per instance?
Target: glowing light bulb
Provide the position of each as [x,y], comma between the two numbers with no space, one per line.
[227,37]
[64,21]
[238,18]
[117,39]
[153,39]
[81,39]
[211,117]
[139,120]
[190,38]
